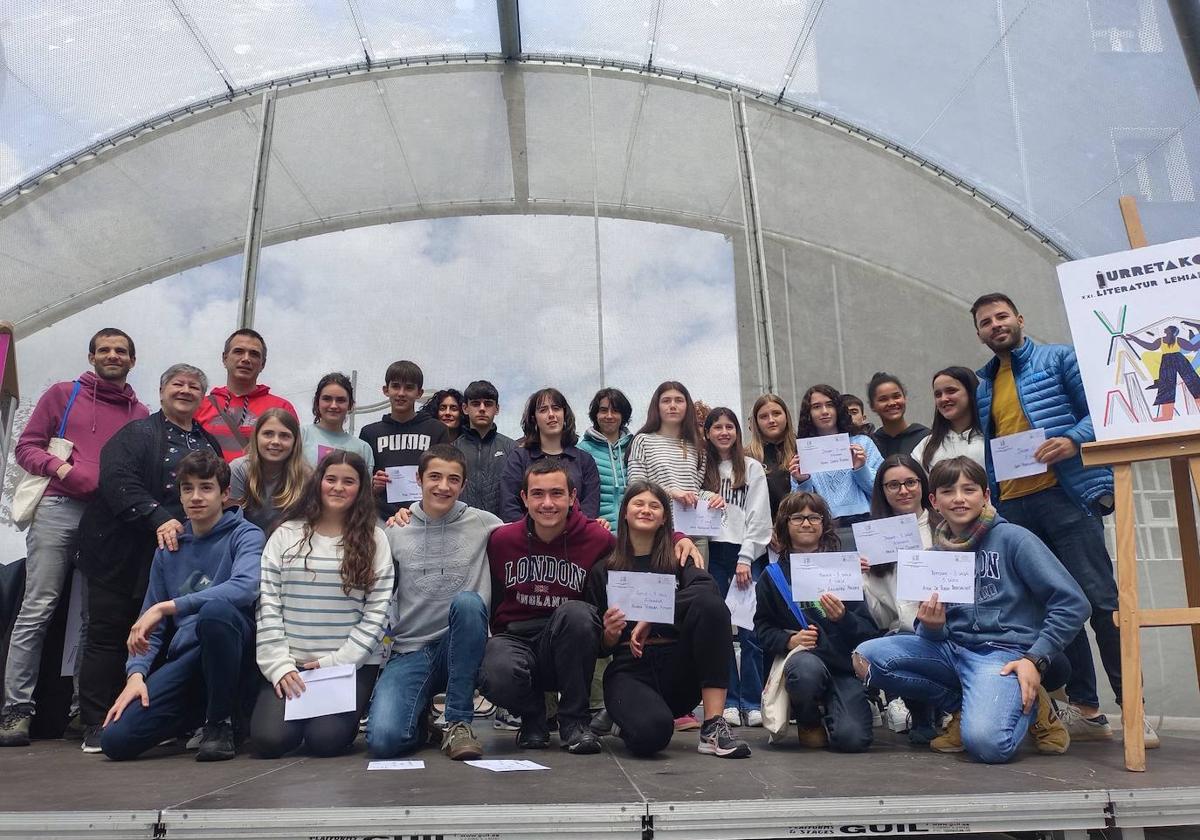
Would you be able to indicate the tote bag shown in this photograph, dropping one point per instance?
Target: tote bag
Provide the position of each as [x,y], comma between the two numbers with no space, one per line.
[31,487]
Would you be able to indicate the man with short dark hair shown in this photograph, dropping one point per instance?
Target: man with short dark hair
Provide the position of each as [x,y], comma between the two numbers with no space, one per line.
[485,448]
[1029,385]
[86,412]
[230,411]
[205,590]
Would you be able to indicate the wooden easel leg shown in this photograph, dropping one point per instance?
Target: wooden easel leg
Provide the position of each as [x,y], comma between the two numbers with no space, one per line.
[1189,539]
[1132,713]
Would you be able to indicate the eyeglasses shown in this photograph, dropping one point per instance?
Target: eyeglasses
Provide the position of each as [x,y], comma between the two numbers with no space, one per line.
[805,518]
[907,484]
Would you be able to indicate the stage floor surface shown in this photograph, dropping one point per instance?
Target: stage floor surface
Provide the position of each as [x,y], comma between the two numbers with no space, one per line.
[52,789]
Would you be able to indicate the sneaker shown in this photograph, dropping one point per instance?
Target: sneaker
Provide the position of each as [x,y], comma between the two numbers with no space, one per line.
[533,735]
[506,720]
[732,716]
[579,740]
[716,739]
[1084,728]
[91,740]
[14,728]
[687,723]
[193,741]
[1049,734]
[74,730]
[1149,736]
[601,723]
[460,743]
[754,718]
[439,704]
[897,716]
[483,706]
[813,737]
[217,742]
[950,741]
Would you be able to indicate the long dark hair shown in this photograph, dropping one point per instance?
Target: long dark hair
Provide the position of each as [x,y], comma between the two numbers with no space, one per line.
[880,508]
[712,461]
[358,530]
[794,503]
[533,438]
[434,404]
[804,423]
[339,379]
[688,432]
[941,426]
[662,554]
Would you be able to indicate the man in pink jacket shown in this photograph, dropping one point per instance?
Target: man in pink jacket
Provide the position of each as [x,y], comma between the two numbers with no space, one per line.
[87,411]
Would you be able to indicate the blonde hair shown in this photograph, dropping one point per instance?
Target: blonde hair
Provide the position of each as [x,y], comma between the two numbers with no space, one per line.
[756,446]
[295,469]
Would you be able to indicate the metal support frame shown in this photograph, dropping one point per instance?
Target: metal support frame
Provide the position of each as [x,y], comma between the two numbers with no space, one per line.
[254,221]
[1186,15]
[508,14]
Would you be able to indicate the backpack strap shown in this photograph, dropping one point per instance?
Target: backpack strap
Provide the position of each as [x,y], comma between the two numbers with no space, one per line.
[62,427]
[785,590]
[230,423]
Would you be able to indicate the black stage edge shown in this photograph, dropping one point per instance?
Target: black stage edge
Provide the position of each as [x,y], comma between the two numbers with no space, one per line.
[52,789]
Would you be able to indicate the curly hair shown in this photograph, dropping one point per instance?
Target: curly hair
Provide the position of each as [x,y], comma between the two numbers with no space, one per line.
[805,428]
[794,503]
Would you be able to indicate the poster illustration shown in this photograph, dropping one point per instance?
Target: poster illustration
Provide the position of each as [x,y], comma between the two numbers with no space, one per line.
[1135,323]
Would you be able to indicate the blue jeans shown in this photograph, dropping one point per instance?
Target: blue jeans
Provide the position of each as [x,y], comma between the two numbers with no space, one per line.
[409,681]
[205,684]
[1077,540]
[954,677]
[746,683]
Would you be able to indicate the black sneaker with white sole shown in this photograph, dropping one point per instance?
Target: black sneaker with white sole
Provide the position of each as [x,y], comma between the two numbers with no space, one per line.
[91,740]
[579,740]
[717,739]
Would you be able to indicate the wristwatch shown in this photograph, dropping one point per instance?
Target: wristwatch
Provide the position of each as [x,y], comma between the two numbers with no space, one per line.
[1039,662]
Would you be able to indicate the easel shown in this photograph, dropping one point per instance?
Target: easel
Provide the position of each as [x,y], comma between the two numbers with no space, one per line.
[1182,449]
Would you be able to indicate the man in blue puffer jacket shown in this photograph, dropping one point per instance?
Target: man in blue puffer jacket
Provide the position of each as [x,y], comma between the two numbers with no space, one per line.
[1029,385]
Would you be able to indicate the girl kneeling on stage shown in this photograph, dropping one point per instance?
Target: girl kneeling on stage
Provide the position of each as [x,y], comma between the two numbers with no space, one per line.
[660,671]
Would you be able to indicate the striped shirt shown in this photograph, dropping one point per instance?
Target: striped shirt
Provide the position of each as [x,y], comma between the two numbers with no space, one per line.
[670,463]
[303,614]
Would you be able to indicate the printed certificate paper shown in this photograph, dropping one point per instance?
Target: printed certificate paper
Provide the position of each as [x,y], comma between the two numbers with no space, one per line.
[824,453]
[1012,455]
[402,485]
[327,691]
[643,596]
[880,539]
[951,574]
[742,603]
[835,572]
[698,521]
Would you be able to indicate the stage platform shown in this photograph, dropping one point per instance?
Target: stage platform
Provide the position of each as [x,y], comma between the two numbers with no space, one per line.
[52,789]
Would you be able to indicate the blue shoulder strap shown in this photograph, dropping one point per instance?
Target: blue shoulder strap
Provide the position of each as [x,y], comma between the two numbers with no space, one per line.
[62,427]
[781,584]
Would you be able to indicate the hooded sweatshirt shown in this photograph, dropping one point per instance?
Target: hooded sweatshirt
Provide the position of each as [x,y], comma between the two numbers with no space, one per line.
[400,444]
[244,410]
[530,578]
[220,565]
[100,409]
[435,560]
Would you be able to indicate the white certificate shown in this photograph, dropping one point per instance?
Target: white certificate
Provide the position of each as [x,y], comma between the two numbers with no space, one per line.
[643,596]
[880,539]
[402,485]
[836,572]
[327,691]
[505,765]
[742,603]
[951,574]
[824,453]
[1012,455]
[698,521]
[405,764]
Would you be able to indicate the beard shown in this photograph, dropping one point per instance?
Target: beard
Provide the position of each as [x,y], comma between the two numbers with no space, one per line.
[1006,343]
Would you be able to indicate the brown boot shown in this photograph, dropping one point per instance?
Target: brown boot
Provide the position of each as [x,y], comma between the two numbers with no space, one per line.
[1048,731]
[949,741]
[813,737]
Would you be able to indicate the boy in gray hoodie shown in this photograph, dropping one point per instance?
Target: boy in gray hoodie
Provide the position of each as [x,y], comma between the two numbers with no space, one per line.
[443,587]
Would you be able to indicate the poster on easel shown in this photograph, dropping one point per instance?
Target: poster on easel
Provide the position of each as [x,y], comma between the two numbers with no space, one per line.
[1135,324]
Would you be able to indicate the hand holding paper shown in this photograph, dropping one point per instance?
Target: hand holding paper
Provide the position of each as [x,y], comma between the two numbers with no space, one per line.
[327,691]
[837,572]
[949,574]
[824,453]
[1015,456]
[402,485]
[698,521]
[643,596]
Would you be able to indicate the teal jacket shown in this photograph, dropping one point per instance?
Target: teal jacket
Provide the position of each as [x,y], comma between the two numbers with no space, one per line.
[610,461]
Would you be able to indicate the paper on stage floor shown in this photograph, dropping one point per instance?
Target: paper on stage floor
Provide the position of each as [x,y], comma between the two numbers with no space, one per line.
[643,596]
[1012,455]
[698,521]
[879,539]
[505,765]
[402,485]
[742,603]
[408,764]
[951,574]
[824,453]
[835,572]
[327,691]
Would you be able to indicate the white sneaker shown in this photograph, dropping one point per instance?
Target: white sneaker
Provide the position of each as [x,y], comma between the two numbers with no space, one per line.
[193,743]
[506,721]
[897,716]
[754,718]
[732,716]
[1083,728]
[1149,735]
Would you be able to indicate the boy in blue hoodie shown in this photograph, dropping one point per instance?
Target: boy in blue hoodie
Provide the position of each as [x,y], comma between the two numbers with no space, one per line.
[984,662]
[206,589]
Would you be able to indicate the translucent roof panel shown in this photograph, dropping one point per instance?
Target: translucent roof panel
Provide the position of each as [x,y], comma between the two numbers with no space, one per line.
[613,29]
[429,27]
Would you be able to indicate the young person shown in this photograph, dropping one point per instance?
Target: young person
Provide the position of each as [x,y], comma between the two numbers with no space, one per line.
[772,445]
[484,447]
[738,555]
[847,492]
[230,411]
[889,400]
[205,591]
[984,661]
[660,671]
[858,414]
[450,408]
[956,429]
[549,428]
[402,435]
[440,625]
[326,583]
[607,441]
[1029,385]
[332,404]
[88,412]
[821,676]
[270,476]
[136,510]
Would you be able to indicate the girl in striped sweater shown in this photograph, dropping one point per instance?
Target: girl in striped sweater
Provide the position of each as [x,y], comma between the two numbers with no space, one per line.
[326,583]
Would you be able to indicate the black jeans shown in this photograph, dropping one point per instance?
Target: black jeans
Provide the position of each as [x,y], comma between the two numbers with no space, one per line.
[111,612]
[847,719]
[271,736]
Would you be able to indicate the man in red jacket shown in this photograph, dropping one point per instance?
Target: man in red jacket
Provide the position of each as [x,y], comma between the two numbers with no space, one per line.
[229,412]
[87,412]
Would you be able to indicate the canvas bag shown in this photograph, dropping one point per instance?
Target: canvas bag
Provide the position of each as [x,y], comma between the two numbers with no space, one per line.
[775,706]
[31,487]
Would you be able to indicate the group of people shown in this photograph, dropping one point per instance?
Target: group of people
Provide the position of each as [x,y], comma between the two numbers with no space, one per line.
[230,552]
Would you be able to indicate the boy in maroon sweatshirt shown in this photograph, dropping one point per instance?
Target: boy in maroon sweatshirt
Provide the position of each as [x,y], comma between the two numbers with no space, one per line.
[87,411]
